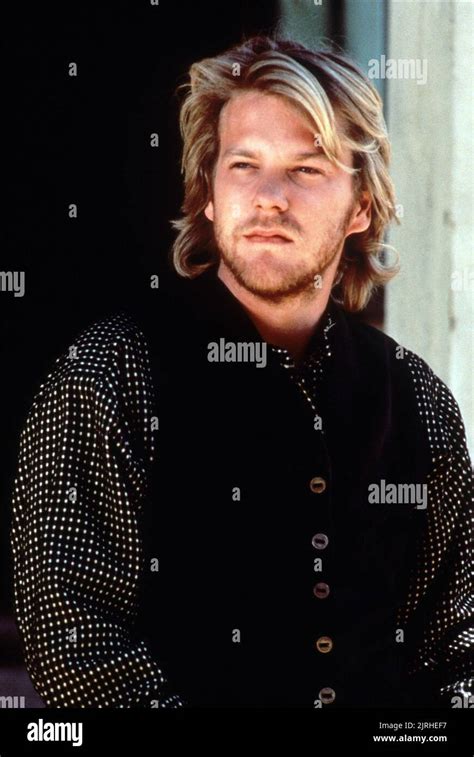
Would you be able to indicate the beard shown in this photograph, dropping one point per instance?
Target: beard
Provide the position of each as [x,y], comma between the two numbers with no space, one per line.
[274,277]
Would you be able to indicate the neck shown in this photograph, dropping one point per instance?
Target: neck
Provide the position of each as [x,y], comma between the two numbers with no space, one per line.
[288,323]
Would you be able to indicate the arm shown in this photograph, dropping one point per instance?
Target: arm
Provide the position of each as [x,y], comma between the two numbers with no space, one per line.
[442,589]
[77,552]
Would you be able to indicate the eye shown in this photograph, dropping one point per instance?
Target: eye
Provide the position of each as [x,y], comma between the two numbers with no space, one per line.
[241,165]
[307,169]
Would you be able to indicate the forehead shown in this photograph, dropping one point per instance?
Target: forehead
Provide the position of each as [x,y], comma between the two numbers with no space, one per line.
[268,121]
[256,114]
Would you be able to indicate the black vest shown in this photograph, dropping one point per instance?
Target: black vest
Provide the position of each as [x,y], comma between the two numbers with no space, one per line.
[234,615]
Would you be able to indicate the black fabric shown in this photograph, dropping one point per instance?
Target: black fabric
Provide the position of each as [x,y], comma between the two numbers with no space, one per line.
[248,564]
[139,453]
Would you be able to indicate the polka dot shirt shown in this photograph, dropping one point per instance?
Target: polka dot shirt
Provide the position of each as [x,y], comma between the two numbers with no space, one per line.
[85,455]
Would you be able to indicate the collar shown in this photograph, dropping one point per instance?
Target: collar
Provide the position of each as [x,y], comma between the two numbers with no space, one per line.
[214,304]
[317,349]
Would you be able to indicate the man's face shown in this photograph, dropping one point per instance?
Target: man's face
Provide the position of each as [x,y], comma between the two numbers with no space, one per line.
[272,177]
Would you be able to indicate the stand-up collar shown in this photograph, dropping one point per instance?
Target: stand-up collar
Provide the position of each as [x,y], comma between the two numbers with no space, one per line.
[213,303]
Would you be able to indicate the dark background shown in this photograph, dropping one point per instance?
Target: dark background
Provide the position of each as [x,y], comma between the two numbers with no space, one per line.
[86,140]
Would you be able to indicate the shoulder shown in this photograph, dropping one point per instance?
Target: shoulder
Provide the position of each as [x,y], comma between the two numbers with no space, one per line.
[414,382]
[372,343]
[104,358]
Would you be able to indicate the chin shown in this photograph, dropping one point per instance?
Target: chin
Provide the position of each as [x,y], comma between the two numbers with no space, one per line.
[268,274]
[274,286]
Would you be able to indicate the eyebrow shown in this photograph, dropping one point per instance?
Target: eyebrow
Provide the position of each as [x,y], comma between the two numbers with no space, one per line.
[299,156]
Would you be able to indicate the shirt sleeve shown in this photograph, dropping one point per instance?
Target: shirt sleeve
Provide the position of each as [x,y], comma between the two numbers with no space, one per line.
[441,595]
[77,552]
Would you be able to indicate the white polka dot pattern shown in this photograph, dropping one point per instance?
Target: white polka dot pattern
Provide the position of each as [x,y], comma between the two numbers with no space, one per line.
[85,454]
[81,480]
[445,559]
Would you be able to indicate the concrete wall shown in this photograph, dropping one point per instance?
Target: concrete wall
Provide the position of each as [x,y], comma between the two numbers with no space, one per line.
[429,306]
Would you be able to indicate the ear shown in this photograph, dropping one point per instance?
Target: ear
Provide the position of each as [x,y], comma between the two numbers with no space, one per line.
[361,219]
[209,211]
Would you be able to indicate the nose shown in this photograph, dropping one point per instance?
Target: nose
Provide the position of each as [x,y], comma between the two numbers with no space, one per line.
[271,194]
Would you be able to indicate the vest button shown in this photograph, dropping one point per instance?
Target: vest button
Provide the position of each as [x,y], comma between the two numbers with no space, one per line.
[324,644]
[321,590]
[317,485]
[327,695]
[320,541]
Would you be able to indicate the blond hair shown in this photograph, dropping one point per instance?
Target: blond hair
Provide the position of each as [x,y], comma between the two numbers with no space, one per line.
[324,84]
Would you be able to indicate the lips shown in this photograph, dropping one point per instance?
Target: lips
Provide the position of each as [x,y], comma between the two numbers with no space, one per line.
[267,237]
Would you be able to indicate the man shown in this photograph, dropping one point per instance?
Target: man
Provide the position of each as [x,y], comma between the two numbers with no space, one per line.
[241,495]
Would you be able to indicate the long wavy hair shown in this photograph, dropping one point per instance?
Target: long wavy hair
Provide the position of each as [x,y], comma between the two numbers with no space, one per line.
[325,84]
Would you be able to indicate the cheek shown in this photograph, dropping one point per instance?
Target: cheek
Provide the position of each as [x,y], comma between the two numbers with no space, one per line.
[232,206]
[323,203]
[340,194]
